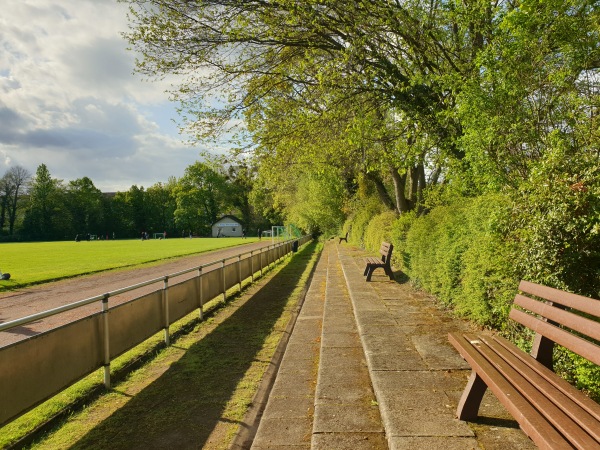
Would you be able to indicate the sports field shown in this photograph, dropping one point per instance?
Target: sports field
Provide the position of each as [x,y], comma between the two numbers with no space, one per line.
[37,262]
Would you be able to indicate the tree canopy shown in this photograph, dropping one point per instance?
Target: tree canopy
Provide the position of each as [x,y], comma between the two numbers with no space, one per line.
[405,94]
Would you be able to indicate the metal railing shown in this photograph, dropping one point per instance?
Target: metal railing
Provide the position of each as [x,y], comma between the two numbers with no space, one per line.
[36,368]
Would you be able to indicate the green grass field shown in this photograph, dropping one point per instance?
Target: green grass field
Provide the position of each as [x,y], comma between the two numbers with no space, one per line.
[38,262]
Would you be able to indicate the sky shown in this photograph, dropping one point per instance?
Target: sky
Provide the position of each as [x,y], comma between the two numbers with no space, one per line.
[69,98]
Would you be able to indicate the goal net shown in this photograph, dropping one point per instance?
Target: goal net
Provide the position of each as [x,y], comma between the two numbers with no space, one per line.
[284,233]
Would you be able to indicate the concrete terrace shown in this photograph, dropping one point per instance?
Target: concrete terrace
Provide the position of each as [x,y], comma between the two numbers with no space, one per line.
[369,366]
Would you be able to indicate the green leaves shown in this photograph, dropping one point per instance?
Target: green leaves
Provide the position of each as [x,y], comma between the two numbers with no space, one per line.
[201,196]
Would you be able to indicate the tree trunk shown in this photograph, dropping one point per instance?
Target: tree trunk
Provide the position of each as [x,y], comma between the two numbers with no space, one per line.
[384,195]
[402,204]
[12,212]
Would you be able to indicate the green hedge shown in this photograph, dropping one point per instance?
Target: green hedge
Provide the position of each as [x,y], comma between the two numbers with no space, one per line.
[471,252]
[458,254]
[364,212]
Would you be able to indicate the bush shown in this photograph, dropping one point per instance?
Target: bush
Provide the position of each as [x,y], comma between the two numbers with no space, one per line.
[558,225]
[471,253]
[458,253]
[399,232]
[357,224]
[379,230]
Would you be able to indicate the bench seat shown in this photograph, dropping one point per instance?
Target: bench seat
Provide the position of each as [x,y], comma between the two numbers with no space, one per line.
[553,413]
[384,262]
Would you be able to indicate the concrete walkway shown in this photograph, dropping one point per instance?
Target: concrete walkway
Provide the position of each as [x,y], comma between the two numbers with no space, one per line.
[369,366]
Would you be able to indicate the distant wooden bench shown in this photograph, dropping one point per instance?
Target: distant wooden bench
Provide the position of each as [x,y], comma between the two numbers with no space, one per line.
[549,410]
[384,262]
[345,238]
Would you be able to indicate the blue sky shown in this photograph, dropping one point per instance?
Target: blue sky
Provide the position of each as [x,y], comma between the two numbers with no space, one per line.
[68,98]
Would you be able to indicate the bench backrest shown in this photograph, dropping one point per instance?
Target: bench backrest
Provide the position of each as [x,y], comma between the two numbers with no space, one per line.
[386,251]
[570,320]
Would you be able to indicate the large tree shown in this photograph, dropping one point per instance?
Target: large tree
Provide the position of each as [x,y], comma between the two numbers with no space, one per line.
[409,53]
[161,205]
[84,202]
[202,195]
[46,216]
[402,93]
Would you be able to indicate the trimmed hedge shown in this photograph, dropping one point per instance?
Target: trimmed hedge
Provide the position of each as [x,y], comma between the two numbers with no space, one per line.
[458,254]
[471,253]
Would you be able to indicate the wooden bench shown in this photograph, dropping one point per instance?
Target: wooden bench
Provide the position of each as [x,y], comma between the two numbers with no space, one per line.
[550,411]
[345,238]
[384,262]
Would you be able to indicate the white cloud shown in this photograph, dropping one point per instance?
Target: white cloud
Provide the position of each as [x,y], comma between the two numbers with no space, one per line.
[68,97]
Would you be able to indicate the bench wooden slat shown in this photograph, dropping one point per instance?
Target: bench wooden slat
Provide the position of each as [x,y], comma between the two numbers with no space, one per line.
[573,321]
[555,388]
[525,383]
[576,395]
[578,302]
[557,406]
[551,412]
[532,422]
[579,345]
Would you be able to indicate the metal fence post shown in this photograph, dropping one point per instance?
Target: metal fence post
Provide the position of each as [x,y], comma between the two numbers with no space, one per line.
[224,285]
[106,341]
[240,271]
[166,306]
[200,292]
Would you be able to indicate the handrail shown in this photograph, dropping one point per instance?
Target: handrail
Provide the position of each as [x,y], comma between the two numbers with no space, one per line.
[51,312]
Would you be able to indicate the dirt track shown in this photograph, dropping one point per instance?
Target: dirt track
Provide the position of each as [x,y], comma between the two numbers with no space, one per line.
[28,301]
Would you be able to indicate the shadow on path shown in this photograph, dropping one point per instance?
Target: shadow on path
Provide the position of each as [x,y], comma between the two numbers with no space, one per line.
[181,408]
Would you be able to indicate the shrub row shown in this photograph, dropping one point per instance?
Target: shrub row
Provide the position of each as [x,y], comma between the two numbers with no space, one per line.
[471,253]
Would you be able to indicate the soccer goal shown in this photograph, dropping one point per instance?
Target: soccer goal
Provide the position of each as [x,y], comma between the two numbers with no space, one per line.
[283,233]
[159,235]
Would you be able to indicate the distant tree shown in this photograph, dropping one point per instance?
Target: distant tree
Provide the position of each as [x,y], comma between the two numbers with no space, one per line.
[202,195]
[12,187]
[136,200]
[84,202]
[46,216]
[119,212]
[317,203]
[161,205]
[240,180]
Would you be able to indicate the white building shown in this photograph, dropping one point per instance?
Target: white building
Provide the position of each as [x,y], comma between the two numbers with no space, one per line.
[227,226]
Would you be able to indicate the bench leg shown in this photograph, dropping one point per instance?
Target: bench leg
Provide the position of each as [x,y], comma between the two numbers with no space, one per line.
[369,272]
[389,273]
[542,350]
[468,407]
[366,270]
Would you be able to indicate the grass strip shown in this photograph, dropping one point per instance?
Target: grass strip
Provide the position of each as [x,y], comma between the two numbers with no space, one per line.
[195,393]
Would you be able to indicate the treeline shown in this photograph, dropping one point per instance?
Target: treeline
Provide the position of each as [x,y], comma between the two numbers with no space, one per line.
[467,132]
[39,207]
